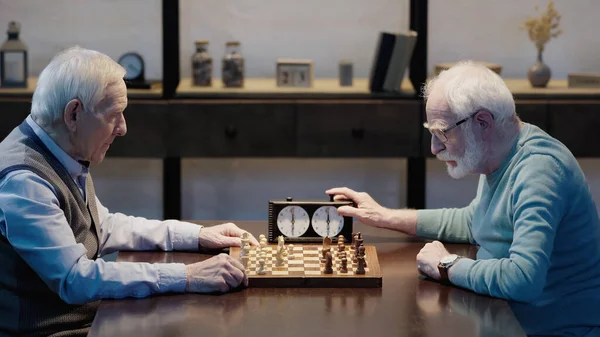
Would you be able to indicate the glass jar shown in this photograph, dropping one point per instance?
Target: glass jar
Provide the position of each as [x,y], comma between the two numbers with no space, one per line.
[202,65]
[232,72]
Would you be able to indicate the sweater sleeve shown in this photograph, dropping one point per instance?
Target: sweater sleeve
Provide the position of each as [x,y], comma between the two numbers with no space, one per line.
[448,224]
[538,190]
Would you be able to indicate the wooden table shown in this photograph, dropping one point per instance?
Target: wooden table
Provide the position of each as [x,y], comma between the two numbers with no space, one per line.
[406,305]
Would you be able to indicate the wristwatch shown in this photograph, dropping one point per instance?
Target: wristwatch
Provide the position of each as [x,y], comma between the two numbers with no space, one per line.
[445,263]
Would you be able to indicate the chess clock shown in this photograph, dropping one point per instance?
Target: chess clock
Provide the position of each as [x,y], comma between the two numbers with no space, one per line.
[307,221]
[134,67]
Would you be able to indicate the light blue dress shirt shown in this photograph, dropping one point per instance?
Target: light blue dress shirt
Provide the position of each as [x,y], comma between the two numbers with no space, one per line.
[34,224]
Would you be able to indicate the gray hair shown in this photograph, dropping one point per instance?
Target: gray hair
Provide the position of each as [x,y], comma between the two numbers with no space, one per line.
[75,73]
[470,86]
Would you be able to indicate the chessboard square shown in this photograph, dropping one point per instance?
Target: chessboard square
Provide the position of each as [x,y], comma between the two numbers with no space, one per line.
[311,252]
[279,272]
[312,258]
[295,262]
[312,265]
[296,268]
[251,272]
[312,272]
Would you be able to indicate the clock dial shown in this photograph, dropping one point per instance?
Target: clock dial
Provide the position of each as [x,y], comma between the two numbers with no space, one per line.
[133,64]
[326,221]
[293,221]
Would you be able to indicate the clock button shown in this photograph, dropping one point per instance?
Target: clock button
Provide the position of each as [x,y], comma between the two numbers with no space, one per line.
[288,199]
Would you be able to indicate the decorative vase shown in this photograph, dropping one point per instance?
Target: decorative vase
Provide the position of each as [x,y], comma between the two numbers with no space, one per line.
[539,74]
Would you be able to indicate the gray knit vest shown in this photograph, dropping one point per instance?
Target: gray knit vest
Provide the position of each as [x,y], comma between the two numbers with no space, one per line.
[28,307]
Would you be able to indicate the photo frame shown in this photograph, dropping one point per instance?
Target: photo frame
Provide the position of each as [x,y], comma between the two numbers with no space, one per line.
[293,73]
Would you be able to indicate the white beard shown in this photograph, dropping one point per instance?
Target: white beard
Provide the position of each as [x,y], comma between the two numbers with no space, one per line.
[470,160]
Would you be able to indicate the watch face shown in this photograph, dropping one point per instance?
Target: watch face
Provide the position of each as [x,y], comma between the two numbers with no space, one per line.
[326,221]
[293,221]
[448,258]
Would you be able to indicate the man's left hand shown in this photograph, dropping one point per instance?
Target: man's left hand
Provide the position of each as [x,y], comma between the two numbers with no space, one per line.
[429,257]
[222,236]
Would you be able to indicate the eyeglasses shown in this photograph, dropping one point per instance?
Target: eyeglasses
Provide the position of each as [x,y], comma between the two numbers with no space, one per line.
[441,134]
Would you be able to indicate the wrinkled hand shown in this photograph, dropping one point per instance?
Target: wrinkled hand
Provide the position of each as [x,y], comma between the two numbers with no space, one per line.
[367,210]
[222,236]
[429,257]
[220,273]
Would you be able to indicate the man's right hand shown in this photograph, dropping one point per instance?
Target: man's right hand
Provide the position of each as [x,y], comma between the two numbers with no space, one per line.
[367,210]
[220,273]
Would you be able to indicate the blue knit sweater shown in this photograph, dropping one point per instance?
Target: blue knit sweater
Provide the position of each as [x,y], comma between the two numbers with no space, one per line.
[539,235]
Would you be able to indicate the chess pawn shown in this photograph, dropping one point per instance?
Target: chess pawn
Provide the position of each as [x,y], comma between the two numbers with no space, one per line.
[341,239]
[329,264]
[263,243]
[361,253]
[341,247]
[261,266]
[261,237]
[344,267]
[291,251]
[360,269]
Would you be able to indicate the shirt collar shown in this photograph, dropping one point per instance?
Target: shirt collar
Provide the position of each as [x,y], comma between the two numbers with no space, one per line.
[74,167]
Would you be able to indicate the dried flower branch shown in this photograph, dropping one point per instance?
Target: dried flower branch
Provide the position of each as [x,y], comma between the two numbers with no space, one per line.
[542,29]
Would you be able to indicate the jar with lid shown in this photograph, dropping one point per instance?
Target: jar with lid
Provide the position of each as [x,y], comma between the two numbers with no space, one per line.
[232,71]
[202,65]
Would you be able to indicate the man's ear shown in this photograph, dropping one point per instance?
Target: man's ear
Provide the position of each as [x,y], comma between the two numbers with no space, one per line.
[72,114]
[485,121]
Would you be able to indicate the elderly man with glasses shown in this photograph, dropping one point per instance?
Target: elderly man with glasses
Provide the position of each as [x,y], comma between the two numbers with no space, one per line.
[533,217]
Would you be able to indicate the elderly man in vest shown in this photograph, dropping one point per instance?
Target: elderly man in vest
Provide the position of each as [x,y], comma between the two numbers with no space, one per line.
[53,227]
[533,216]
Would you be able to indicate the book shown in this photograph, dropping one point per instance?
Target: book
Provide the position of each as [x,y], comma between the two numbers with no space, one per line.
[381,61]
[402,54]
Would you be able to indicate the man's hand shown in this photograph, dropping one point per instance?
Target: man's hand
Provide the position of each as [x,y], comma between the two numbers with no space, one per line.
[220,273]
[222,236]
[367,210]
[429,257]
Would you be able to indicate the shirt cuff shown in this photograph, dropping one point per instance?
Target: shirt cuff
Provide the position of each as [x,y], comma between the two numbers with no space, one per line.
[428,223]
[185,235]
[459,272]
[171,277]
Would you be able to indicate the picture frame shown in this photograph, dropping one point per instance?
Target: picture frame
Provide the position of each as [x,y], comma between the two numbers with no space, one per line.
[294,73]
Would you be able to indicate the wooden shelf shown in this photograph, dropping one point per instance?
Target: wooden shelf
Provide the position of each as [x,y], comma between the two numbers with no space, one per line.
[556,88]
[154,92]
[267,88]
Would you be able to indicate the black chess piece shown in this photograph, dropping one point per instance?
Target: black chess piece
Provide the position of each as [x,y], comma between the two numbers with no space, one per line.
[360,269]
[329,264]
[344,267]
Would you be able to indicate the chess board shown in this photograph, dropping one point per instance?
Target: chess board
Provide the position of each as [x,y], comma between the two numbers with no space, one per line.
[304,268]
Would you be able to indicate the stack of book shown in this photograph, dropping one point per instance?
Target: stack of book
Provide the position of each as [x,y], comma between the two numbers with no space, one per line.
[392,56]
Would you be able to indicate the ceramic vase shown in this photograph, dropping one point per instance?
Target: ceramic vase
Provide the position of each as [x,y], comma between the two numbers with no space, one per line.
[539,74]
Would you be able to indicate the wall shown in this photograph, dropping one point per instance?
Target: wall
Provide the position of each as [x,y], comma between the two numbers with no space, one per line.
[323,31]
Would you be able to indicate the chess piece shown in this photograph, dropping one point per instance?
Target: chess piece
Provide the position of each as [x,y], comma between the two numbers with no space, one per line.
[344,267]
[361,253]
[326,243]
[279,256]
[341,239]
[261,267]
[329,264]
[244,260]
[341,247]
[290,251]
[263,243]
[245,244]
[324,254]
[360,269]
[261,237]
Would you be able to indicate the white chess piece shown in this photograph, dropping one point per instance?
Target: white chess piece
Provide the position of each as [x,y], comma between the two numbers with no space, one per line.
[279,256]
[291,251]
[261,266]
[261,237]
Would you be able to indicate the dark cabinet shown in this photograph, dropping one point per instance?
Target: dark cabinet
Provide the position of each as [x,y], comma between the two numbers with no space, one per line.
[358,129]
[575,124]
[231,129]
